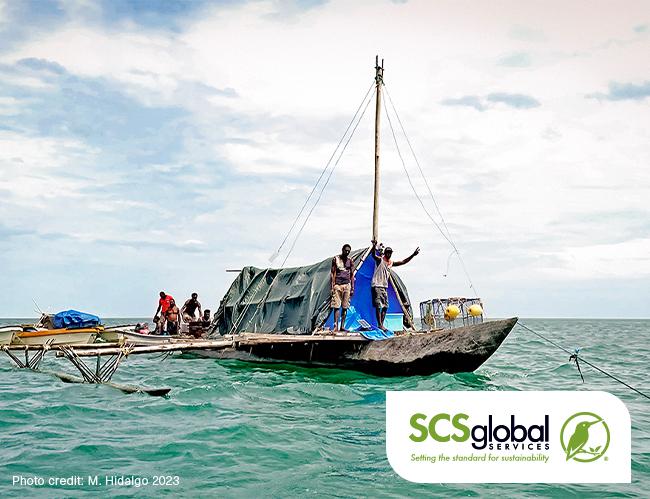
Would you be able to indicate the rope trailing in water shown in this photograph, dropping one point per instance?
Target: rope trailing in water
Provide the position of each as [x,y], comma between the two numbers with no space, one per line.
[574,356]
[356,118]
[446,235]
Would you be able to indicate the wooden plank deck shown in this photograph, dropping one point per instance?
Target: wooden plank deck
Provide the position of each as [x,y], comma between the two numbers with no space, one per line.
[190,344]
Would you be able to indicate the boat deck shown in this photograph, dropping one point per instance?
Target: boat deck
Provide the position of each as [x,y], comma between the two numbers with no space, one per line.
[188,344]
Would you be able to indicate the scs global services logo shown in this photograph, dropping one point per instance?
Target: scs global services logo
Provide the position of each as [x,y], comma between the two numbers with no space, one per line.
[585,437]
[508,436]
[491,435]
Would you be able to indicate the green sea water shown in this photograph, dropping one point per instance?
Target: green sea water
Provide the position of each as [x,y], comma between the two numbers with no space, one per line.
[232,429]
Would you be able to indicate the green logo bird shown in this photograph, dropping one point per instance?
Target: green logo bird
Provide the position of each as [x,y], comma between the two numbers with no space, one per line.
[579,438]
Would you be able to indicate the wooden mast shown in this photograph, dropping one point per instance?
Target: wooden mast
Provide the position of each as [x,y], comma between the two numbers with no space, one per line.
[379,81]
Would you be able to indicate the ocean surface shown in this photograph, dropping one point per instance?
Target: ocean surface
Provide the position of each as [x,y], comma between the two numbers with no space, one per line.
[232,429]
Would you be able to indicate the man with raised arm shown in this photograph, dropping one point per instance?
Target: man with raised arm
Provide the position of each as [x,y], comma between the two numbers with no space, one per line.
[342,284]
[379,283]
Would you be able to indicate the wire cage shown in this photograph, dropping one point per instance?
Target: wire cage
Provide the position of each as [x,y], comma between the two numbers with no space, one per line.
[432,313]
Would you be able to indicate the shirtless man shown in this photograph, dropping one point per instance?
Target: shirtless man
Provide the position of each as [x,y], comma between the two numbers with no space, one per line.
[190,307]
[171,315]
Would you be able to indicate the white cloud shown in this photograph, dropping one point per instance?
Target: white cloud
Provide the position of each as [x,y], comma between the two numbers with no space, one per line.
[519,183]
[629,259]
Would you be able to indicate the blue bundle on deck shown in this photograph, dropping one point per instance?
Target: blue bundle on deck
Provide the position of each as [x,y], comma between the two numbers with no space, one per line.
[73,319]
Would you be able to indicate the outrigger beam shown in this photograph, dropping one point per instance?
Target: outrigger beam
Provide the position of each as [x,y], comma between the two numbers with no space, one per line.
[102,373]
[32,363]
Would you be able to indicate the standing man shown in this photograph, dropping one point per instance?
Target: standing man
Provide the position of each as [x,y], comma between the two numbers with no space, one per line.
[190,307]
[342,283]
[163,305]
[172,316]
[379,283]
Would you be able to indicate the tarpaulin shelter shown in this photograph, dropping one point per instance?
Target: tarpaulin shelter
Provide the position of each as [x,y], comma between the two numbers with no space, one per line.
[297,300]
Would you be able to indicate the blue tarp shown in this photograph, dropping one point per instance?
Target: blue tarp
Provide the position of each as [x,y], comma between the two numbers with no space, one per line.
[72,319]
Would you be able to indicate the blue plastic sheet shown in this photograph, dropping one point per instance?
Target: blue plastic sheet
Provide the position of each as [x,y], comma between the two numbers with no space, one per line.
[73,319]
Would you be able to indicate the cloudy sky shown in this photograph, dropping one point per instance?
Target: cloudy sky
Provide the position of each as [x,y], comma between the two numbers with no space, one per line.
[151,145]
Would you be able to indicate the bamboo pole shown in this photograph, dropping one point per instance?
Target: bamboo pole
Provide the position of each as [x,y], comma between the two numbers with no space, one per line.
[379,80]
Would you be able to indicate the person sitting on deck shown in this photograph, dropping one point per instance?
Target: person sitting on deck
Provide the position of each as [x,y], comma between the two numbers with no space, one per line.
[142,328]
[190,307]
[172,315]
[163,305]
[342,282]
[379,283]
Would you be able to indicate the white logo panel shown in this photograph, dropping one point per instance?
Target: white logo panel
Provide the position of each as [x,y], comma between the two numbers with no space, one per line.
[508,437]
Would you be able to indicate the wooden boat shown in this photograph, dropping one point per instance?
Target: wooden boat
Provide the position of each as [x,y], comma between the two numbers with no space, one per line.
[127,334]
[41,336]
[7,334]
[462,349]
[134,338]
[112,335]
[290,300]
[115,334]
[45,332]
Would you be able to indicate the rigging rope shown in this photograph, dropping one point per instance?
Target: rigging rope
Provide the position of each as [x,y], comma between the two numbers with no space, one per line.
[426,182]
[447,235]
[328,178]
[367,98]
[302,209]
[268,291]
[576,357]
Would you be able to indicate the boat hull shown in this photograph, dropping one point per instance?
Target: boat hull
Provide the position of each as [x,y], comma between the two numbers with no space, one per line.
[56,336]
[133,338]
[111,336]
[7,335]
[462,349]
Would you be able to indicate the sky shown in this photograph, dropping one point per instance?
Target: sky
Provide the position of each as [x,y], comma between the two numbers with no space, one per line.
[152,145]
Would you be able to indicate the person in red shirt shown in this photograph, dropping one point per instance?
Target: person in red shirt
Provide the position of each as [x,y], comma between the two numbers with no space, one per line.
[163,305]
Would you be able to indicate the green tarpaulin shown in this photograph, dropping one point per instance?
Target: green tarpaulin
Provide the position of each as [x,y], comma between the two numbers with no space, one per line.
[298,301]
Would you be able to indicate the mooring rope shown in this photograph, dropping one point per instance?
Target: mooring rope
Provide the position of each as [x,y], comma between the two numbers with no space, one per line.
[576,357]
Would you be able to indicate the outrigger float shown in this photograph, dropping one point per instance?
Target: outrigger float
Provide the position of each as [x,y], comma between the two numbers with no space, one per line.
[283,316]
